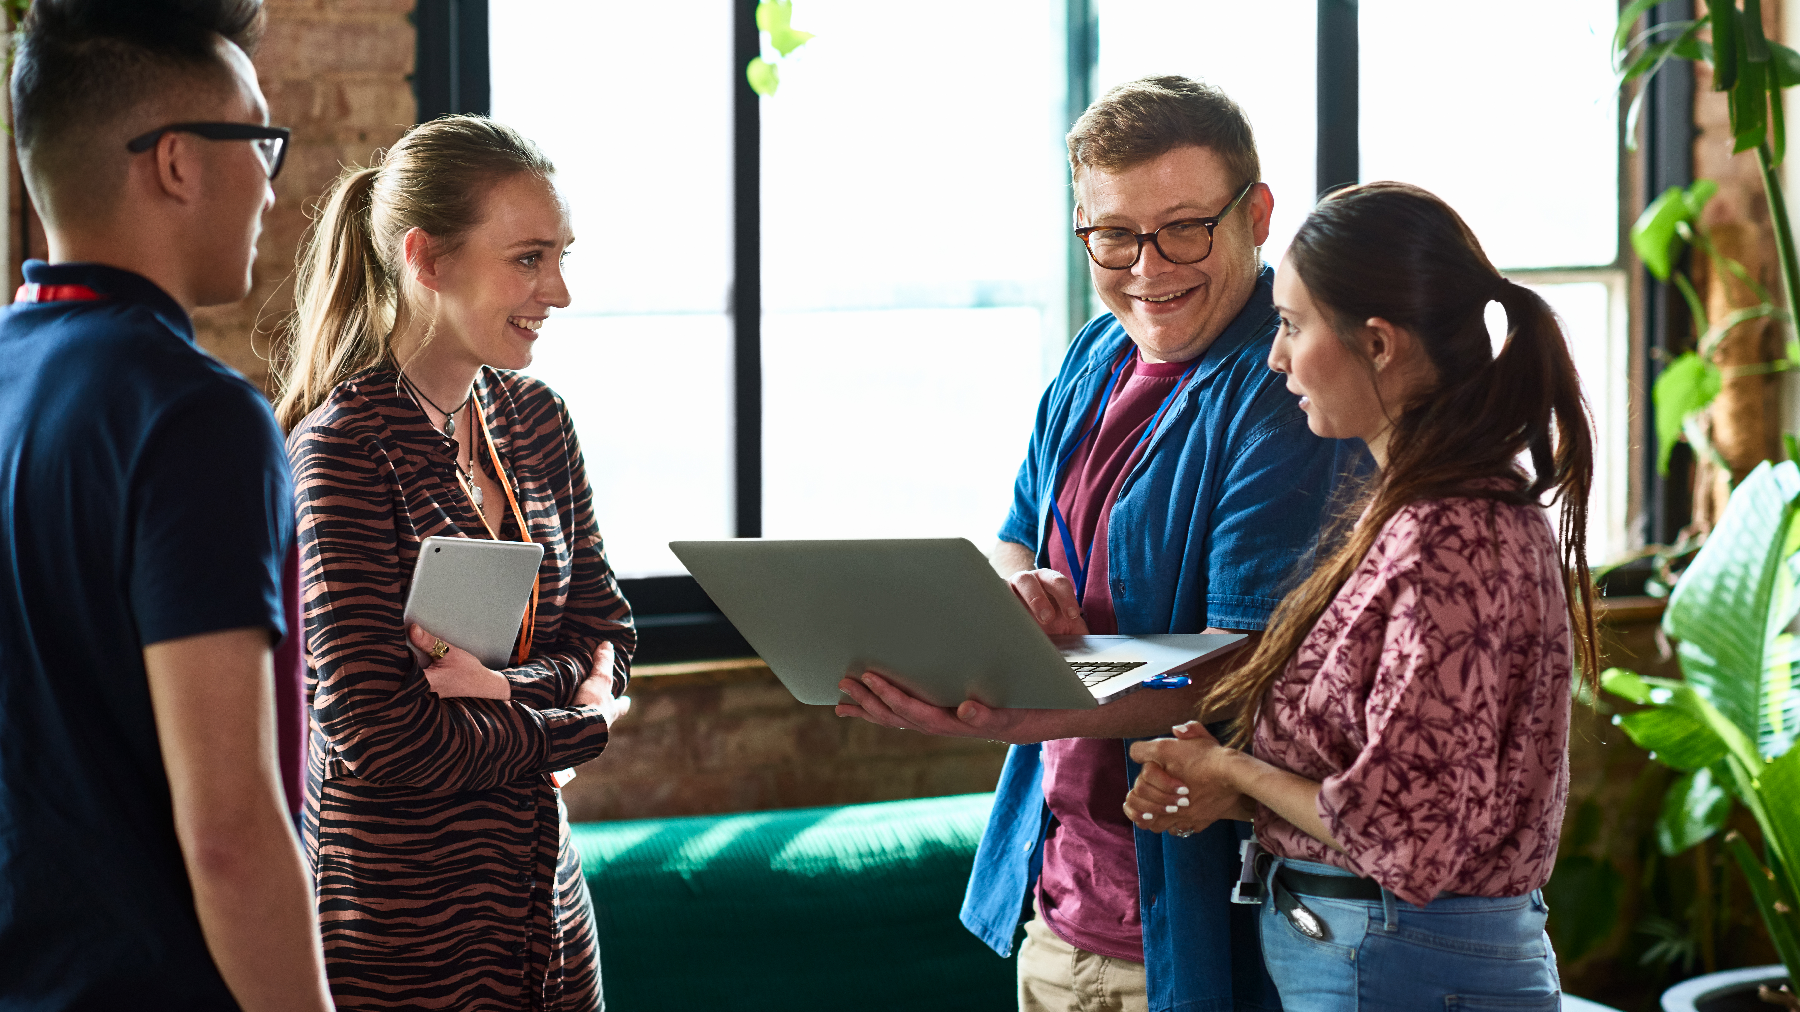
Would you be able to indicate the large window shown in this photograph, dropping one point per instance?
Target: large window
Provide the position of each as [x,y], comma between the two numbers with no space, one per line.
[631,103]
[1528,153]
[913,248]
[917,286]
[901,363]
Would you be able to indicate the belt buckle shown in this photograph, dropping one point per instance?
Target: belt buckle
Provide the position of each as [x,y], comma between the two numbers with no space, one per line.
[1248,889]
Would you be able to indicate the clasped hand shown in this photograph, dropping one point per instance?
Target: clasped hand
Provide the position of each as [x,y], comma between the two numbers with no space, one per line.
[458,674]
[1050,598]
[1185,785]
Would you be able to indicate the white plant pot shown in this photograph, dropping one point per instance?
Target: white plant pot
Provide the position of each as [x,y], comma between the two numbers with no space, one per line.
[1725,991]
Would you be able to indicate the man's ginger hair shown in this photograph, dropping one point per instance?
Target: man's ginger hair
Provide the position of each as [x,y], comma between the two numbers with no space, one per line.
[1147,118]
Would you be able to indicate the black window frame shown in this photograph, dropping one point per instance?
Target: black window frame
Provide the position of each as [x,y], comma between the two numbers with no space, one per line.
[677,621]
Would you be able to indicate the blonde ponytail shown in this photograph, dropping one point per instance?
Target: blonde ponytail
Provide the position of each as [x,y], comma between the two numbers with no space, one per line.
[344,300]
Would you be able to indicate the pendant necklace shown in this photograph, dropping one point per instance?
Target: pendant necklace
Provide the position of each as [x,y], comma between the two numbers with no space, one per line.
[449,416]
[449,430]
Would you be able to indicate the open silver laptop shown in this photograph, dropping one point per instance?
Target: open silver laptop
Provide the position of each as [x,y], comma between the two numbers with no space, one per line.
[929,613]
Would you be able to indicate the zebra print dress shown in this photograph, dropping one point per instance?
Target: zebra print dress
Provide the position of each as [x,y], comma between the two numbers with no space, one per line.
[441,853]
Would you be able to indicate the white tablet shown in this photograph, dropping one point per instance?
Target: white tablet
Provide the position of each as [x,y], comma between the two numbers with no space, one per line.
[472,593]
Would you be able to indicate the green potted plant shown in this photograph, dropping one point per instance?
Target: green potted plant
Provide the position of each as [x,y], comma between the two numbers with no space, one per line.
[1729,724]
[1750,68]
[1688,383]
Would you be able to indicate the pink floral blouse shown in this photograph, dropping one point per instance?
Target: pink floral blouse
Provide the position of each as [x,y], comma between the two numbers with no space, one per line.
[1432,702]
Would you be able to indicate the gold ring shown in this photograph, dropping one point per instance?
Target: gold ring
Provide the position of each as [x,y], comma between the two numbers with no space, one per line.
[438,650]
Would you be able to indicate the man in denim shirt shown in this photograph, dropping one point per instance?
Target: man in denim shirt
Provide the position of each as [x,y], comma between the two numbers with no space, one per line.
[1171,486]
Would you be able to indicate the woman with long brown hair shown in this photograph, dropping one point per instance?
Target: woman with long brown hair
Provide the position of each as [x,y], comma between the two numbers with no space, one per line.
[446,877]
[1406,715]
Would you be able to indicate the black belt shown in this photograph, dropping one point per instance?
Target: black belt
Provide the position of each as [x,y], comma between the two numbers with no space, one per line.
[1287,882]
[1335,887]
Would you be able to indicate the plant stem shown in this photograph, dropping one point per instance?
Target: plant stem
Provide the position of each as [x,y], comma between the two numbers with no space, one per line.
[1704,908]
[1784,235]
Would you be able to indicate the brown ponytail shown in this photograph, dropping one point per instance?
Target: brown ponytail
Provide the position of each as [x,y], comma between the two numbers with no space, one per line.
[348,291]
[1394,251]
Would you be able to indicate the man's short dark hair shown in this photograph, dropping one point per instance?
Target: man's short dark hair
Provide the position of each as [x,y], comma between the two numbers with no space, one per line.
[84,66]
[1149,117]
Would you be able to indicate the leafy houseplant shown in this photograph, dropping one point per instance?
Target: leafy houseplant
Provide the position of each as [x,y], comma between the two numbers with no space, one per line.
[1688,384]
[774,21]
[1751,69]
[1730,723]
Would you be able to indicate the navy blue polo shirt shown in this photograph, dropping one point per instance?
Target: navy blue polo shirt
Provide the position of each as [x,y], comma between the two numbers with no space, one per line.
[144,496]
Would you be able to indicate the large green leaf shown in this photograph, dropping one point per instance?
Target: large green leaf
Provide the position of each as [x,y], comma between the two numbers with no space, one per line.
[1724,18]
[1734,609]
[1653,234]
[1771,898]
[1628,19]
[1786,64]
[1777,116]
[1625,684]
[1693,810]
[1697,195]
[1749,105]
[1780,783]
[1683,387]
[1675,738]
[1583,894]
[1756,47]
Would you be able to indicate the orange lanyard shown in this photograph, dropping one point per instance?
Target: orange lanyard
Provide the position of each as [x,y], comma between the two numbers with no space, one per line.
[524,648]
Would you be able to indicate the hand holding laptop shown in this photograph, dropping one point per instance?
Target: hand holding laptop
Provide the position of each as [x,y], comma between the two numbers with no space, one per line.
[1050,598]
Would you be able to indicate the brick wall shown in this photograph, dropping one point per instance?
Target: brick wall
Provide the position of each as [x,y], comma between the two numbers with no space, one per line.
[727,737]
[336,71]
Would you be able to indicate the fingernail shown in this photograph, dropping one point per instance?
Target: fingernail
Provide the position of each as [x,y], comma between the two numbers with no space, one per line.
[1183,802]
[1182,791]
[1171,809]
[1148,816]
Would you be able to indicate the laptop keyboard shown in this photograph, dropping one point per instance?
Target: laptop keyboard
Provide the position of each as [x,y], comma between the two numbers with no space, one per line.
[1092,673]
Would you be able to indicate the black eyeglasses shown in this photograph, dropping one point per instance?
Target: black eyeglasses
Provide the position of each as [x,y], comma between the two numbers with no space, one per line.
[1187,241]
[271,142]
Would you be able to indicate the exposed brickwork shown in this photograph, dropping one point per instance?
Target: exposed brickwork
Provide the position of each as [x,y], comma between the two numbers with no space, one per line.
[736,742]
[336,71]
[1746,420]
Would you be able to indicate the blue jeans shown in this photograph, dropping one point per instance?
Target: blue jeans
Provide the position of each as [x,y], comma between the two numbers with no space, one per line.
[1462,952]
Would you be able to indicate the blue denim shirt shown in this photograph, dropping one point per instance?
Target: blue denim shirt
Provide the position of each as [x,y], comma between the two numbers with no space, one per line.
[1206,531]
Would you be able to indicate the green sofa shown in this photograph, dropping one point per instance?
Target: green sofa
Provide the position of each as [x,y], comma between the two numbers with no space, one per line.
[847,908]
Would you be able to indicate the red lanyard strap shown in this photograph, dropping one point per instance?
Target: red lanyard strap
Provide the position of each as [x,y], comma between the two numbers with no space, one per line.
[31,291]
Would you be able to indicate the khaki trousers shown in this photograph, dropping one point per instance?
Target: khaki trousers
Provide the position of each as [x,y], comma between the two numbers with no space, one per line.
[1054,976]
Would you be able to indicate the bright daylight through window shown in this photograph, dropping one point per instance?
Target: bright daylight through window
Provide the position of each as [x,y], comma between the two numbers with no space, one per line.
[915,232]
[1532,165]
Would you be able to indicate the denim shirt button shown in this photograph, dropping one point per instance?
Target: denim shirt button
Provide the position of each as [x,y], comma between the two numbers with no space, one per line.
[1030,845]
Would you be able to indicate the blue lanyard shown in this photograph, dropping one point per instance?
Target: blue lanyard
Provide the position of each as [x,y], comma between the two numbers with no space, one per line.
[1078,567]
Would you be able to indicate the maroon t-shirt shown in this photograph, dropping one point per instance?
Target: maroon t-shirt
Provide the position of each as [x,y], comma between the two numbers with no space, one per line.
[1088,890]
[290,689]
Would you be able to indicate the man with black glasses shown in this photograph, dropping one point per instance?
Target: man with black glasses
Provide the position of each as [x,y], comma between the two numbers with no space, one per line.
[1171,486]
[147,860]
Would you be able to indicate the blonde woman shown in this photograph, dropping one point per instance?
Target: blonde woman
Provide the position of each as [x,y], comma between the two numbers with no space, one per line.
[445,872]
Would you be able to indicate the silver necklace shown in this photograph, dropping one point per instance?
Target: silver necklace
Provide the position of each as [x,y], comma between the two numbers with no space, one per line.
[449,416]
[449,431]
